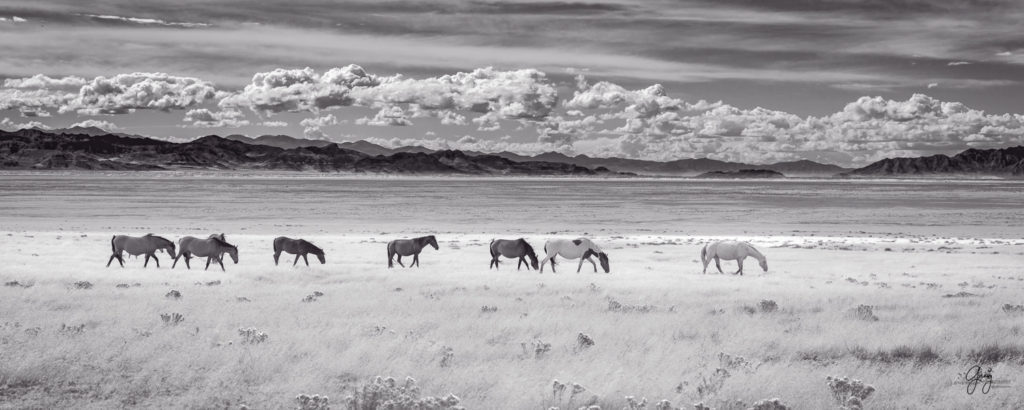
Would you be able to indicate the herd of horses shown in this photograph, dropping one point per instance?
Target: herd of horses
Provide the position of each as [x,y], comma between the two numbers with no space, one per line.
[215,246]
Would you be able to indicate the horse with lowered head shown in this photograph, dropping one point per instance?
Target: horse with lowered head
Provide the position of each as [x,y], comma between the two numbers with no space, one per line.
[731,250]
[581,248]
[297,247]
[212,248]
[513,248]
[407,247]
[145,245]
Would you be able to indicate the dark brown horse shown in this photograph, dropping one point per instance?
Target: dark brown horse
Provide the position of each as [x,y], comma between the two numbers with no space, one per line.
[406,247]
[145,245]
[513,248]
[297,247]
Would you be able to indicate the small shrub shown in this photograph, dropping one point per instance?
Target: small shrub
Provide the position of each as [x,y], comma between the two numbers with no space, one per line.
[386,393]
[1013,309]
[539,348]
[83,285]
[849,394]
[314,402]
[71,330]
[864,312]
[312,297]
[16,284]
[252,336]
[633,404]
[769,404]
[242,299]
[447,356]
[960,294]
[583,341]
[768,306]
[173,295]
[122,286]
[488,309]
[172,319]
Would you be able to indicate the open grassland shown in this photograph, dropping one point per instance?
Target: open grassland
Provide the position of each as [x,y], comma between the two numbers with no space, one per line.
[74,334]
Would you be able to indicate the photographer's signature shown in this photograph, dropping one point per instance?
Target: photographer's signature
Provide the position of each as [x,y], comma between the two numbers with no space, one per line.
[977,376]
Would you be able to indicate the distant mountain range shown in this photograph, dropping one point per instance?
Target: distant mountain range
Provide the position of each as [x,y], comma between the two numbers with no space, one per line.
[94,148]
[36,149]
[682,167]
[972,162]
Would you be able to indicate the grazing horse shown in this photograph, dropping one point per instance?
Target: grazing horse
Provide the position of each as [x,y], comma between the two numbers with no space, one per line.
[213,248]
[298,247]
[406,247]
[513,248]
[581,248]
[146,245]
[731,250]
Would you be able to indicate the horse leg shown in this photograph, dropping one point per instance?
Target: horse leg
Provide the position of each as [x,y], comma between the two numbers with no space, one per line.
[277,256]
[188,261]
[147,261]
[296,260]
[208,259]
[580,266]
[706,261]
[399,260]
[221,262]
[415,260]
[739,262]
[111,260]
[520,265]
[156,260]
[718,264]
[305,259]
[592,263]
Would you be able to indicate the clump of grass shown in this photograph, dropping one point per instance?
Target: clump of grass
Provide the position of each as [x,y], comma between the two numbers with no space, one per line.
[82,285]
[71,330]
[386,393]
[539,348]
[919,355]
[172,319]
[314,402]
[849,394]
[173,294]
[633,404]
[488,309]
[583,342]
[996,353]
[447,356]
[1013,309]
[252,336]
[210,283]
[312,297]
[615,306]
[16,284]
[769,404]
[242,299]
[960,294]
[122,286]
[768,306]
[864,312]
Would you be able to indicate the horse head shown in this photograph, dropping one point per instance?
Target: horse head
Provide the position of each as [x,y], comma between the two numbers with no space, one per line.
[233,252]
[319,255]
[432,241]
[530,254]
[764,264]
[603,258]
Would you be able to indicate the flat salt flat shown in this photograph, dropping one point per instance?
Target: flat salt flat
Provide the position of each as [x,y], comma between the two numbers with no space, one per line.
[898,246]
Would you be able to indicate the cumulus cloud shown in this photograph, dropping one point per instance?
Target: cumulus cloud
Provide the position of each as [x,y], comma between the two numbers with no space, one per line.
[103,125]
[7,124]
[313,127]
[387,116]
[293,90]
[204,118]
[123,93]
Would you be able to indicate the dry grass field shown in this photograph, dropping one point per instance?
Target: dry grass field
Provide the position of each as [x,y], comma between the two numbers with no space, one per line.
[74,334]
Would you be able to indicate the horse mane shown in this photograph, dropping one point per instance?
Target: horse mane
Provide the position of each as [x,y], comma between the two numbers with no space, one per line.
[317,248]
[757,254]
[160,238]
[527,246]
[223,243]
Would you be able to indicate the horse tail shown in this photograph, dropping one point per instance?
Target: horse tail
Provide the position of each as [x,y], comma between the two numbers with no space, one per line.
[704,253]
[113,249]
[277,248]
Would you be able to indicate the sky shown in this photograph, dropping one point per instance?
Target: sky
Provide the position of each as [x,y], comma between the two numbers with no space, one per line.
[758,81]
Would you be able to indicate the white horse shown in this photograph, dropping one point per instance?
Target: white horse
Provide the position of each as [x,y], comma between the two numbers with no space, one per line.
[731,250]
[581,248]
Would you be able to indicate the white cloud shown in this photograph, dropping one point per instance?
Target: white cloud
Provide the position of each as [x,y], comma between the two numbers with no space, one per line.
[138,20]
[392,115]
[123,93]
[6,123]
[956,63]
[313,127]
[103,125]
[204,118]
